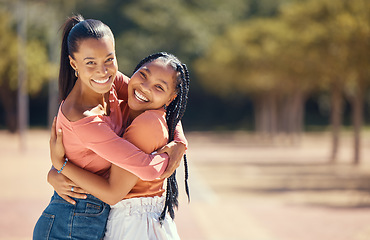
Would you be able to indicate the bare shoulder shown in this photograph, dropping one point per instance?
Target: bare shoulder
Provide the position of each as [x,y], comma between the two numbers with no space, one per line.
[71,111]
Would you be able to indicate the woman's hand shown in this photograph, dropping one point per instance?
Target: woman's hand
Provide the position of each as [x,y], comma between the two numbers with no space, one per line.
[175,151]
[65,187]
[57,151]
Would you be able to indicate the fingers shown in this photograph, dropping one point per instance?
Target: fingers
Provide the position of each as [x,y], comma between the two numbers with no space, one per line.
[77,195]
[165,175]
[75,191]
[171,167]
[79,190]
[175,151]
[67,198]
[164,149]
[59,136]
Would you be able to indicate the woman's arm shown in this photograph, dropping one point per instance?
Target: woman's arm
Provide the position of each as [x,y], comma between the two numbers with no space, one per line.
[97,136]
[110,190]
[63,186]
[146,132]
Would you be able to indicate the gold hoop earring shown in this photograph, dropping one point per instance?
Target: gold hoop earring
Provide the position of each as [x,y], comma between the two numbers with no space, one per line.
[76,73]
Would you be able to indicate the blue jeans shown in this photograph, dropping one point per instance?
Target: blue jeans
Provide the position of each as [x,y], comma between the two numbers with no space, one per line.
[86,219]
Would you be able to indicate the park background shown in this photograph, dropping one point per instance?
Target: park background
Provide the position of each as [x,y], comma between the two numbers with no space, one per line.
[277,117]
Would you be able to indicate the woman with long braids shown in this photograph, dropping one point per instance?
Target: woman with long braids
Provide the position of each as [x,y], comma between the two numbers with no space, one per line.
[93,114]
[157,98]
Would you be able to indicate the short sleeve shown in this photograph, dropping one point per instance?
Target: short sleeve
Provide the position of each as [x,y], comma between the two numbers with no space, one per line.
[121,86]
[148,131]
[99,137]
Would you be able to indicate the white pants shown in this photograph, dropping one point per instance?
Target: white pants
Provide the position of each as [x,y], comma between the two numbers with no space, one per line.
[137,218]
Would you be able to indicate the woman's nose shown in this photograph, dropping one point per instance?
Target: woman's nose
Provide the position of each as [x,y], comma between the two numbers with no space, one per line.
[102,69]
[145,87]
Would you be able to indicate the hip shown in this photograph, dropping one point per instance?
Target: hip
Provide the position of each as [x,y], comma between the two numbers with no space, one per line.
[138,218]
[62,220]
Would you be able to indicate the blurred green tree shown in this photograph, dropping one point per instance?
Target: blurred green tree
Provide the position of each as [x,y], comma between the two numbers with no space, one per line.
[184,28]
[310,47]
[262,58]
[38,68]
[341,56]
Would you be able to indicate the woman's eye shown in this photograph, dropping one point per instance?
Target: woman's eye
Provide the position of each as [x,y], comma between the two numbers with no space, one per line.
[159,87]
[142,75]
[110,59]
[90,63]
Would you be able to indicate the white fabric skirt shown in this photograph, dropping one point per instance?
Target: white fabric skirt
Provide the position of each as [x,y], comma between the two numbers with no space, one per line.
[137,219]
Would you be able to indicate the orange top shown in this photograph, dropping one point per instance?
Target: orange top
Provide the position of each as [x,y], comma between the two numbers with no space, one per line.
[148,132]
[93,142]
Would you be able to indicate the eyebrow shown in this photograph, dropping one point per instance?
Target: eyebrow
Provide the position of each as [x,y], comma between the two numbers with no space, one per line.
[88,58]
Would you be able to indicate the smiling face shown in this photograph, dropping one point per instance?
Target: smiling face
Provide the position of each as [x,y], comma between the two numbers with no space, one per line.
[151,87]
[96,64]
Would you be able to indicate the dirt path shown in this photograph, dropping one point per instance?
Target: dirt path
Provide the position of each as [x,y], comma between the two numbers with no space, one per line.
[241,189]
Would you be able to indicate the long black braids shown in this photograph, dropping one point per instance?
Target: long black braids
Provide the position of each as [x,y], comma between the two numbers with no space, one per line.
[174,113]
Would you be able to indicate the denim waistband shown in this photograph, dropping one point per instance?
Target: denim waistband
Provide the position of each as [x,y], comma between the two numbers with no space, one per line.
[89,197]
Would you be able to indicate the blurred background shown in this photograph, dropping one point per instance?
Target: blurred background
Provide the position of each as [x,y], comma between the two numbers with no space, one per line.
[279,105]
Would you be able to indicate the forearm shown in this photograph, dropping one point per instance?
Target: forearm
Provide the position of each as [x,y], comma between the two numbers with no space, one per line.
[145,166]
[107,190]
[105,143]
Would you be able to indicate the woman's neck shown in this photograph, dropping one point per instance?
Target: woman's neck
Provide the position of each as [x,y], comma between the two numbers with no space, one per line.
[87,102]
[86,97]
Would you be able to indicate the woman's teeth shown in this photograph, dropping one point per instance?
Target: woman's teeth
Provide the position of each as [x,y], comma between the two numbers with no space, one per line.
[140,97]
[101,81]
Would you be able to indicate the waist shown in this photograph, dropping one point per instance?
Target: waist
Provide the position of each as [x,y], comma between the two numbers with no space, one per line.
[89,199]
[139,205]
[146,189]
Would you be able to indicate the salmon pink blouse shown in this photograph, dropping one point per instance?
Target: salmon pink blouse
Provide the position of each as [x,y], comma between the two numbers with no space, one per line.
[148,132]
[94,142]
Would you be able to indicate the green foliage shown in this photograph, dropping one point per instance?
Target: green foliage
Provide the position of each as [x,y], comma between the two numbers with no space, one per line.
[8,49]
[180,27]
[39,70]
[307,45]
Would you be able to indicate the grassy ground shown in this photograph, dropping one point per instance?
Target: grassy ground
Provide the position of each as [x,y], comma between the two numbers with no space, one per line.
[242,187]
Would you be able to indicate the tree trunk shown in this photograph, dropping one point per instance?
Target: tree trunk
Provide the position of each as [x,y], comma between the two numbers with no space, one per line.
[257,114]
[272,114]
[265,109]
[291,113]
[9,102]
[297,116]
[357,121]
[336,118]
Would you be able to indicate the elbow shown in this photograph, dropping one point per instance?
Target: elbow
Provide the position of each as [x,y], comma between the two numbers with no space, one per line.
[49,176]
